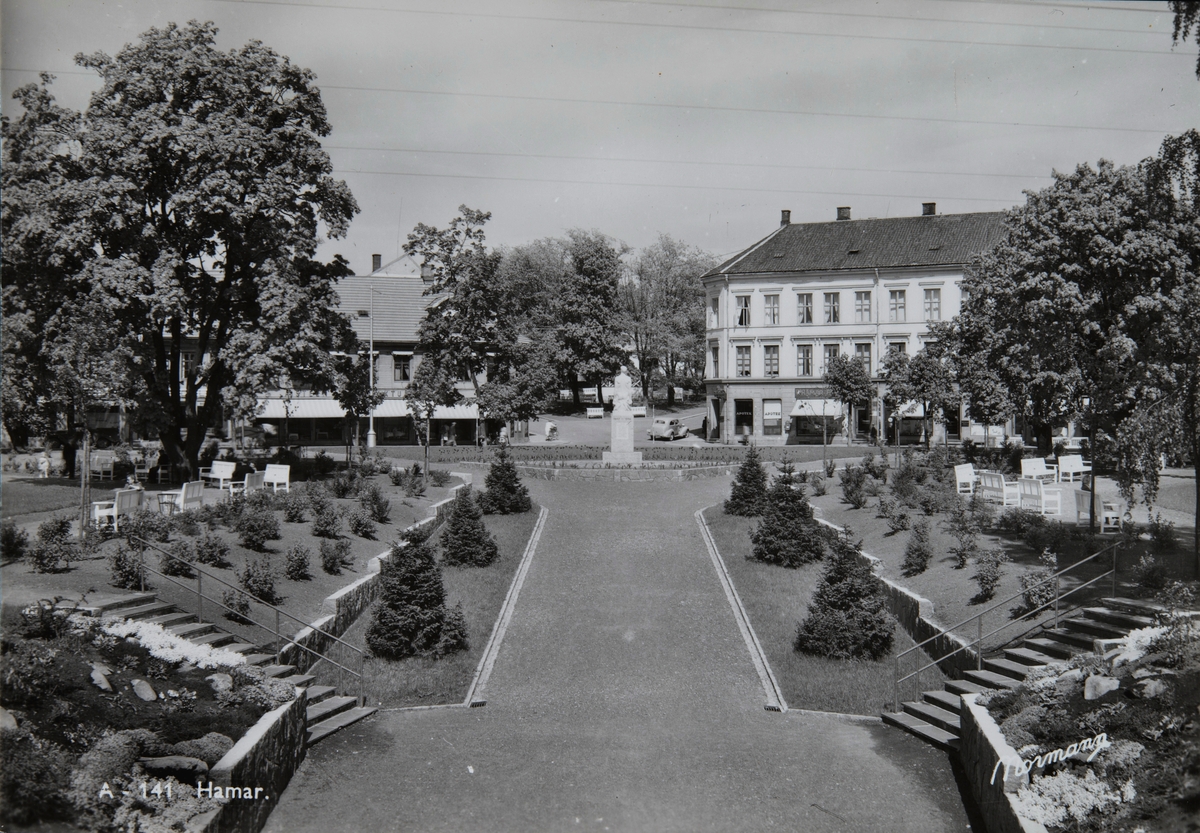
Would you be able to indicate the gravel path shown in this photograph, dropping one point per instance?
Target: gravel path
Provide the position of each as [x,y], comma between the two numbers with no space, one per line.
[623,698]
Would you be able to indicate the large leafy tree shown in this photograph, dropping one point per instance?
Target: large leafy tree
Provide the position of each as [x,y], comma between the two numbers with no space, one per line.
[926,379]
[1187,18]
[190,195]
[849,383]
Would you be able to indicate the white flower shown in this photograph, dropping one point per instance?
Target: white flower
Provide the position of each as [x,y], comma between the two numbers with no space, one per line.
[166,646]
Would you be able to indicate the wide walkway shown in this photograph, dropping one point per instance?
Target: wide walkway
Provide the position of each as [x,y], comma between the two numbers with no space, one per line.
[623,699]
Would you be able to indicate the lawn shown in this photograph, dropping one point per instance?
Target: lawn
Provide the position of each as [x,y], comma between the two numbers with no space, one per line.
[26,496]
[426,682]
[776,599]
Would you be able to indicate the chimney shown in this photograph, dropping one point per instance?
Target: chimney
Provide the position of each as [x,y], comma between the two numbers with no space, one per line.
[928,209]
[376,262]
[785,217]
[843,212]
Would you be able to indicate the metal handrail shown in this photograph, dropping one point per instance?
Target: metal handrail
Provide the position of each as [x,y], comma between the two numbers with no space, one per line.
[1115,548]
[200,572]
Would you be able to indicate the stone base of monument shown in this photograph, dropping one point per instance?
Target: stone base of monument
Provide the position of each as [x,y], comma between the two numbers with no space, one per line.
[622,458]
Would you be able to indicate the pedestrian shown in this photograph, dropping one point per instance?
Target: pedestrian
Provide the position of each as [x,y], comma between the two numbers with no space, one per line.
[69,445]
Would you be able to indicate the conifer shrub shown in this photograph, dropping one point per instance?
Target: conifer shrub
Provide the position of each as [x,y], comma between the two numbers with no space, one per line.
[846,618]
[818,485]
[415,486]
[440,477]
[399,476]
[748,497]
[963,527]
[787,535]
[918,552]
[465,539]
[296,563]
[854,486]
[344,485]
[377,507]
[411,618]
[14,541]
[503,491]
[54,550]
[830,468]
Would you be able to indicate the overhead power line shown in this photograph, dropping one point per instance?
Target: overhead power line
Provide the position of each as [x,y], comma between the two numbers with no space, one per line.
[770,165]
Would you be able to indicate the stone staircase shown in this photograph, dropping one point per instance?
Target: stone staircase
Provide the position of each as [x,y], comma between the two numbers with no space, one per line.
[935,717]
[327,711]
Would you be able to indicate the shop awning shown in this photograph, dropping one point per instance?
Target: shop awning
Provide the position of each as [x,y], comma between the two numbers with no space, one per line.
[911,409]
[301,409]
[813,407]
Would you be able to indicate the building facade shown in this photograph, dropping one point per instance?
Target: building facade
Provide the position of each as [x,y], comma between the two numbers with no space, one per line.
[778,311]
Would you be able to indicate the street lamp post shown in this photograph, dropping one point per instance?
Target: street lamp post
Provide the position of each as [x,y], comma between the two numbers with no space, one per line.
[371,360]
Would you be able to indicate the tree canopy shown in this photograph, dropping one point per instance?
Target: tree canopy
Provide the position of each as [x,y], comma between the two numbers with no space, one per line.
[849,383]
[189,197]
[926,378]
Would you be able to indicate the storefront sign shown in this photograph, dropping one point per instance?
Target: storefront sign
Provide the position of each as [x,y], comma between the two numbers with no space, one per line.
[772,409]
[813,392]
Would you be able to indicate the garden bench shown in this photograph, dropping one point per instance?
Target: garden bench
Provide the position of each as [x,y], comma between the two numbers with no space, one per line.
[278,477]
[251,483]
[993,486]
[1037,468]
[1072,465]
[221,471]
[1110,515]
[101,466]
[639,410]
[141,470]
[595,413]
[1037,498]
[124,503]
[191,496]
[964,476]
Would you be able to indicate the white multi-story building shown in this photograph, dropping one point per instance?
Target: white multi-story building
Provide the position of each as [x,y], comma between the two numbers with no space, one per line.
[778,311]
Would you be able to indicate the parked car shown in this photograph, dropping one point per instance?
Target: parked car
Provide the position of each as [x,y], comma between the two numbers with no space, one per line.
[666,428]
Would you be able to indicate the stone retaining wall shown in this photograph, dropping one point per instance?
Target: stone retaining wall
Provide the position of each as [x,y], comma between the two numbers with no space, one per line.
[266,756]
[624,475]
[982,748]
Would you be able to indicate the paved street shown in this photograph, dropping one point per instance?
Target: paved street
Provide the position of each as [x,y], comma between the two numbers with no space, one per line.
[623,698]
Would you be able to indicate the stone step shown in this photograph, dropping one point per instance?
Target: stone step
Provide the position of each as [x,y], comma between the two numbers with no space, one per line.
[145,611]
[1119,618]
[965,687]
[259,659]
[215,639]
[279,670]
[1007,667]
[1051,647]
[1069,638]
[339,721]
[114,604]
[1097,630]
[932,714]
[991,679]
[1141,607]
[243,648]
[175,617]
[298,679]
[943,700]
[317,693]
[1028,656]
[329,707]
[926,731]
[192,629]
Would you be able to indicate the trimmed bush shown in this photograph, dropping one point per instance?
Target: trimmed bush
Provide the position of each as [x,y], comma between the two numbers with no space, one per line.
[918,552]
[1149,575]
[876,466]
[14,541]
[465,539]
[788,535]
[212,551]
[962,527]
[440,477]
[147,525]
[296,564]
[335,554]
[748,497]
[415,486]
[818,485]
[258,579]
[238,604]
[1035,595]
[361,523]
[294,506]
[846,617]
[411,617]
[34,779]
[327,523]
[344,485]
[503,491]
[989,569]
[322,463]
[854,486]
[126,569]
[179,562]
[54,550]
[398,476]
[377,507]
[255,527]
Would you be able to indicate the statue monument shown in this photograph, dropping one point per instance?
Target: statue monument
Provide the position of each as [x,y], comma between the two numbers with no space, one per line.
[622,423]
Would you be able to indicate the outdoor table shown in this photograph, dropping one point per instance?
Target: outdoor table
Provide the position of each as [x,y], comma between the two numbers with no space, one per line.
[166,502]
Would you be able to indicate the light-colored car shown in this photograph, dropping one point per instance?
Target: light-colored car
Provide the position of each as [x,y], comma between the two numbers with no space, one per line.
[667,428]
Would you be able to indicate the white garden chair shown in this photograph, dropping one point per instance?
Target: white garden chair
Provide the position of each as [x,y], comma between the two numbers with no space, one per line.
[964,477]
[1037,468]
[278,477]
[124,503]
[1036,497]
[994,487]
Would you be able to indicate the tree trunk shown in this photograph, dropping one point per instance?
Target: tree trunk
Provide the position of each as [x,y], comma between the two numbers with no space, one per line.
[575,391]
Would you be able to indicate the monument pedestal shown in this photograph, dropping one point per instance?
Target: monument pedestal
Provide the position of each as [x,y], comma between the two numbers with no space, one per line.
[622,439]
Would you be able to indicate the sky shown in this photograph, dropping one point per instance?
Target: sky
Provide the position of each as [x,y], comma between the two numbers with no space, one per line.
[697,120]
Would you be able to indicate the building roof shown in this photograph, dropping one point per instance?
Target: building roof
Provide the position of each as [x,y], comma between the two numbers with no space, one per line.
[934,240]
[400,301]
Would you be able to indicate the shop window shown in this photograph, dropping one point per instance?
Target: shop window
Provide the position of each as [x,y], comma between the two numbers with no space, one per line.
[743,416]
[772,417]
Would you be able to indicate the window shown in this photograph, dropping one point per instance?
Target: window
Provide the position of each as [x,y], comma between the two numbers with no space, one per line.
[898,347]
[743,305]
[771,308]
[862,352]
[716,370]
[771,360]
[187,365]
[862,307]
[714,316]
[833,308]
[933,305]
[401,368]
[804,313]
[743,361]
[743,416]
[896,306]
[804,360]
[773,416]
[831,353]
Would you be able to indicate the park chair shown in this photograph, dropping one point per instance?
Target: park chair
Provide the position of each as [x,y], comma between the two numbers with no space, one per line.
[221,471]
[1037,498]
[994,487]
[1071,466]
[1037,468]
[964,476]
[124,503]
[251,483]
[101,466]
[191,496]
[141,470]
[278,476]
[1107,511]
